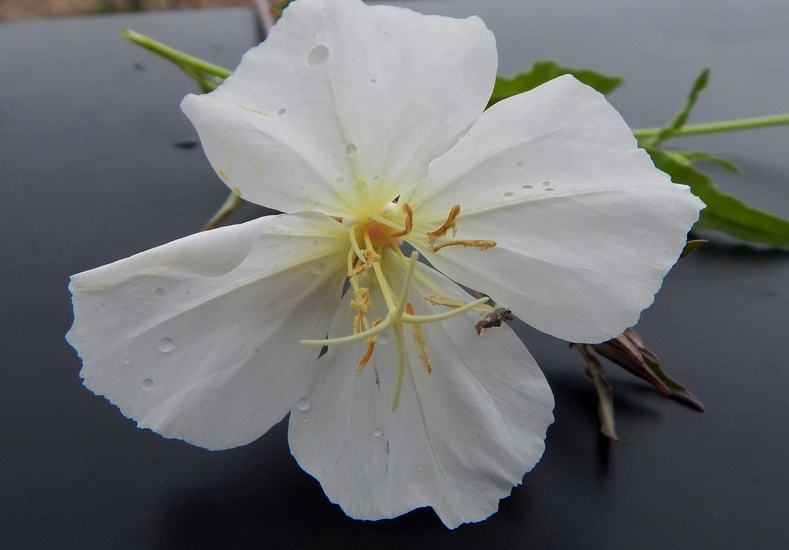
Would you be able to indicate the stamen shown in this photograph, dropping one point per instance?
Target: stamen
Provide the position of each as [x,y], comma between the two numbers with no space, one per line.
[453,303]
[370,348]
[409,222]
[354,243]
[361,303]
[449,224]
[482,245]
[385,221]
[420,341]
[370,256]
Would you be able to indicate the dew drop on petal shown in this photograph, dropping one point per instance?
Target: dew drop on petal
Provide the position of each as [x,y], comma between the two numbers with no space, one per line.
[383,338]
[509,195]
[147,384]
[166,345]
[351,149]
[549,189]
[378,432]
[372,80]
[419,468]
[318,56]
[282,112]
[302,405]
[159,292]
[546,184]
[376,178]
[519,164]
[339,179]
[126,361]
[525,186]
[316,243]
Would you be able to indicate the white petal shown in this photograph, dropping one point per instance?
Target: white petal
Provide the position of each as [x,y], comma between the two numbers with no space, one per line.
[211,356]
[389,87]
[461,437]
[586,228]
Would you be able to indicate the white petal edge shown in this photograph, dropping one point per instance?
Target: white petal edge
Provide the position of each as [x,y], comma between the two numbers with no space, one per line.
[392,88]
[213,359]
[586,227]
[461,437]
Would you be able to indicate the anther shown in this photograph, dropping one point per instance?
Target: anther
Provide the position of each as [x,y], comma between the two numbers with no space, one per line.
[453,303]
[409,222]
[370,348]
[419,338]
[476,243]
[449,224]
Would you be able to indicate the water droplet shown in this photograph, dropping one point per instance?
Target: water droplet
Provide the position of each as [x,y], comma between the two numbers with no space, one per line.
[318,268]
[188,292]
[419,468]
[147,384]
[549,189]
[526,186]
[316,243]
[159,292]
[302,404]
[383,338]
[126,361]
[351,149]
[509,195]
[519,164]
[361,185]
[546,184]
[282,112]
[372,80]
[304,419]
[318,56]
[378,432]
[376,178]
[166,345]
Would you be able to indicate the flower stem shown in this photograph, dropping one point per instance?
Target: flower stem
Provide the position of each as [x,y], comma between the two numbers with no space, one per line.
[725,126]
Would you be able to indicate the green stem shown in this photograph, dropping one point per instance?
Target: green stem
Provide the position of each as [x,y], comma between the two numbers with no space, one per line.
[180,58]
[726,126]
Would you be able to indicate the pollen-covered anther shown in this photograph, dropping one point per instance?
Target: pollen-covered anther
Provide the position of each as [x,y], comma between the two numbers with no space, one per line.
[419,339]
[368,353]
[370,256]
[453,303]
[449,224]
[476,243]
[361,303]
[407,224]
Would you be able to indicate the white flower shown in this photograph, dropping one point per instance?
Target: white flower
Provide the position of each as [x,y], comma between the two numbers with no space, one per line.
[543,202]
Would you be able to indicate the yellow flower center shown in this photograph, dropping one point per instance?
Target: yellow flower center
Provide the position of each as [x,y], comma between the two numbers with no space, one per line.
[375,242]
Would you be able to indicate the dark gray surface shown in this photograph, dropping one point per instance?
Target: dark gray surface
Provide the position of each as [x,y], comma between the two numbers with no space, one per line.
[88,175]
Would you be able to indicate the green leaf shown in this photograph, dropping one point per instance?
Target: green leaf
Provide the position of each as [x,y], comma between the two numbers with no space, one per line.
[679,119]
[724,212]
[207,75]
[543,71]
